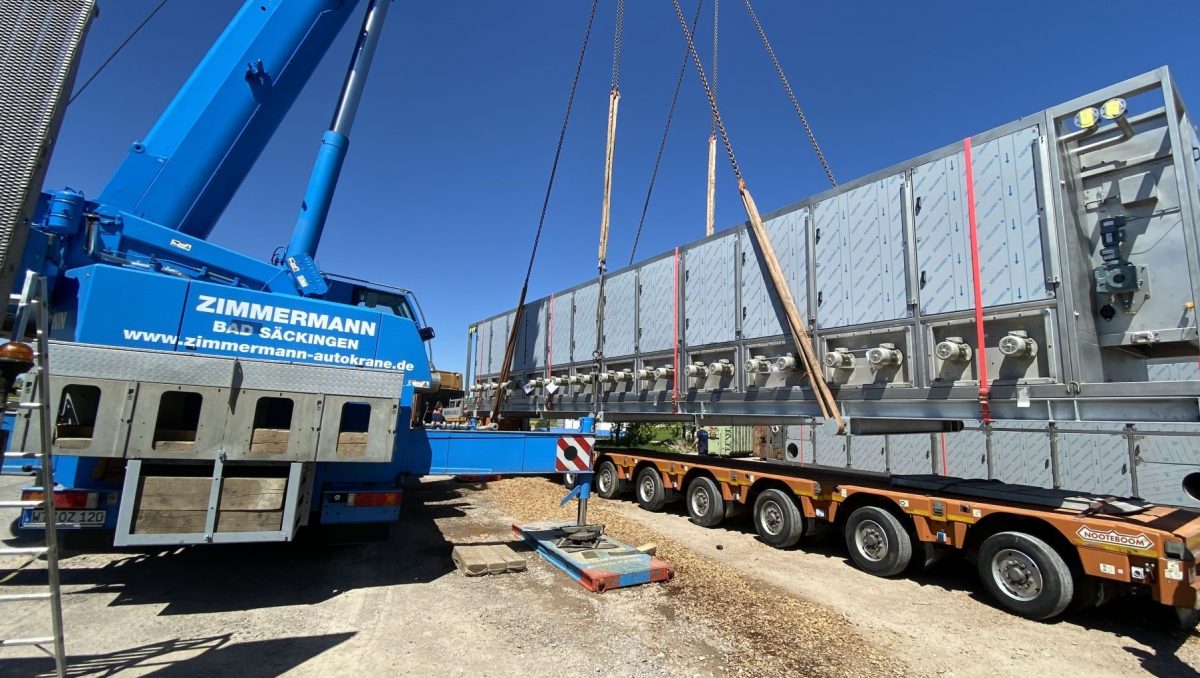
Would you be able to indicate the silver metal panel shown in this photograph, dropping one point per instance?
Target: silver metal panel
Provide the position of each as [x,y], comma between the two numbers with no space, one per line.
[1020,457]
[798,446]
[531,344]
[909,453]
[268,375]
[868,453]
[860,255]
[560,329]
[1162,483]
[1007,209]
[381,430]
[483,348]
[500,327]
[1187,369]
[762,314]
[830,448]
[210,426]
[964,454]
[709,291]
[620,297]
[110,418]
[129,364]
[302,434]
[41,42]
[656,306]
[1096,463]
[583,337]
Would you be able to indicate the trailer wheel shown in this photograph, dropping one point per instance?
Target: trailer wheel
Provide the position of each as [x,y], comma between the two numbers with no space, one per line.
[607,482]
[778,519]
[1025,575]
[705,505]
[651,495]
[877,542]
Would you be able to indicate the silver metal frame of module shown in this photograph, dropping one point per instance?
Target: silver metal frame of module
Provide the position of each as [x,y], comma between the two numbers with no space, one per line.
[130,384]
[298,495]
[1053,289]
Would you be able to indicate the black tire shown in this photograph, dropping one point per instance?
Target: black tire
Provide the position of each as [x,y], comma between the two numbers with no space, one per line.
[1025,575]
[705,505]
[569,480]
[651,495]
[777,518]
[607,482]
[878,542]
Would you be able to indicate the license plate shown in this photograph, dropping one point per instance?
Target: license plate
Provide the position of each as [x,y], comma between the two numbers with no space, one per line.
[68,518]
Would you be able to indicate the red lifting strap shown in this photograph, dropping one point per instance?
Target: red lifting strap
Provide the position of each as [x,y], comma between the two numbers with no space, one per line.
[985,410]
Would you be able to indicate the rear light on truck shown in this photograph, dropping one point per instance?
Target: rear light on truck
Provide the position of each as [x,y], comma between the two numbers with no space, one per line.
[363,499]
[68,499]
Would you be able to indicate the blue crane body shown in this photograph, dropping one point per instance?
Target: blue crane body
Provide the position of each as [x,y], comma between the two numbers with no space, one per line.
[132,270]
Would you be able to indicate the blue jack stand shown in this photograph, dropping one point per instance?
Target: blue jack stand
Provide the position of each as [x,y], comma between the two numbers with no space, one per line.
[600,563]
[583,551]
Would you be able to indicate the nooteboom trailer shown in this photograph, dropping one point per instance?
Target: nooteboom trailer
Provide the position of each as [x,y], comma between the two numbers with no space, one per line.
[1018,307]
[200,395]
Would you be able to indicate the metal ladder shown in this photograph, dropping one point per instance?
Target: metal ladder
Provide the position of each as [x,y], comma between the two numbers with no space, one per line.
[32,300]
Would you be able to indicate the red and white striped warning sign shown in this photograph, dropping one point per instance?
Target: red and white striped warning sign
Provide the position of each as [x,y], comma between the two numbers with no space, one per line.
[574,454]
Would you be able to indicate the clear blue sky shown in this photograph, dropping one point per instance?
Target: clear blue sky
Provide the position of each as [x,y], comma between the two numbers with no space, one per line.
[451,150]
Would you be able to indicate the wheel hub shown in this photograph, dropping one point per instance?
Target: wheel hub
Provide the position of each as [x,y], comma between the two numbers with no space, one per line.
[604,482]
[871,540]
[646,489]
[1017,575]
[700,503]
[772,518]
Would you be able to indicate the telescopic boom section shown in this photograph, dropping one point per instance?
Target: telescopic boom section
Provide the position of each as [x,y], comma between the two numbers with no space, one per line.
[319,196]
[187,169]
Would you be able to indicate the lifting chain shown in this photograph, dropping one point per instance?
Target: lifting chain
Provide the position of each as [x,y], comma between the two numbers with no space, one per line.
[812,139]
[662,143]
[511,345]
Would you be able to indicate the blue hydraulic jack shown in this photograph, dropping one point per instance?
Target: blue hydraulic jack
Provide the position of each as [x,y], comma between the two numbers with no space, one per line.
[582,550]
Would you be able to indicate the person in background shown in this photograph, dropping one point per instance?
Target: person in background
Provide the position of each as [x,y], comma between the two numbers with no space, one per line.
[702,441]
[438,419]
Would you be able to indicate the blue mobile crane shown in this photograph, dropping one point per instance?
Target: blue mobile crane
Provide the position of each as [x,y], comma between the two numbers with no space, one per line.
[203,396]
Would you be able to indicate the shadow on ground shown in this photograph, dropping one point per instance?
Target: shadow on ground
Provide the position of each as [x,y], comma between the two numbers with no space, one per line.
[210,656]
[228,577]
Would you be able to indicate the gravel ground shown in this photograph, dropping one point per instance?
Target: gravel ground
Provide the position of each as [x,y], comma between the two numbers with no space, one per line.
[766,633]
[938,622]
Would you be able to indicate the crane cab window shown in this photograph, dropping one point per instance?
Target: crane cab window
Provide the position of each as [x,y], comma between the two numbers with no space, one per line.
[384,302]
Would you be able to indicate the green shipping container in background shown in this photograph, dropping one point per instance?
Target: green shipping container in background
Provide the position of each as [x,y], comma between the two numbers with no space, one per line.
[731,441]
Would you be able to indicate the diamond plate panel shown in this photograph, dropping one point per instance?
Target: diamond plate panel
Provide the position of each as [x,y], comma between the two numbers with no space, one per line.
[909,453]
[41,42]
[483,348]
[656,305]
[1022,457]
[709,291]
[965,454]
[762,315]
[500,327]
[860,255]
[1175,370]
[531,344]
[867,453]
[68,359]
[560,329]
[830,447]
[1008,217]
[584,334]
[798,446]
[1094,463]
[620,295]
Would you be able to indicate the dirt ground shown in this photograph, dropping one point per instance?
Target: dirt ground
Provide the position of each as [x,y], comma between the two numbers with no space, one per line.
[736,607]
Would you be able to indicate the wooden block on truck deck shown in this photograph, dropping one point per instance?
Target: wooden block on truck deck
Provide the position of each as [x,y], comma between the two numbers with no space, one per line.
[478,559]
[352,443]
[269,435]
[191,493]
[268,448]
